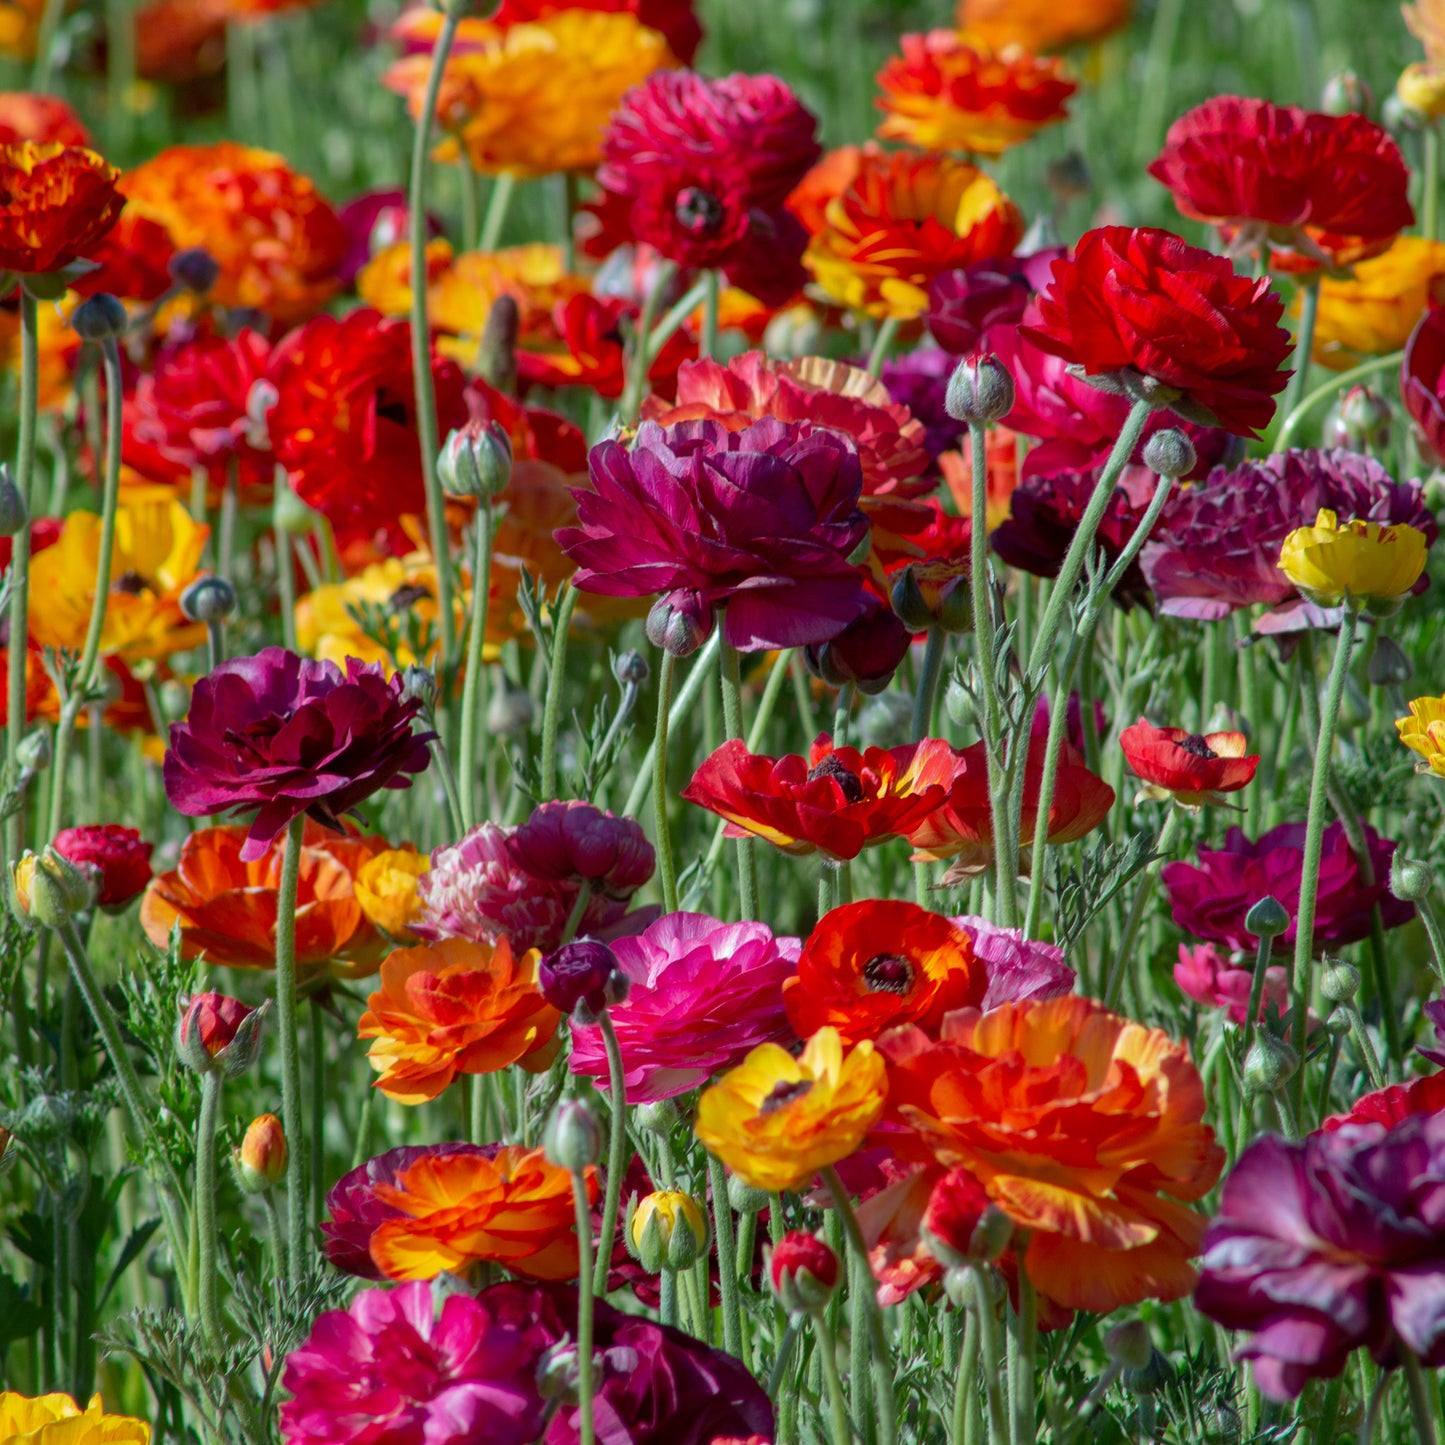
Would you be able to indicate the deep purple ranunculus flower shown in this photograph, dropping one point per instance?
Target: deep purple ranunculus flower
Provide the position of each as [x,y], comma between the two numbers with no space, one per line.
[1216,547]
[919,380]
[576,842]
[287,735]
[655,1385]
[867,652]
[963,304]
[1328,1245]
[760,522]
[577,973]
[1210,899]
[356,1212]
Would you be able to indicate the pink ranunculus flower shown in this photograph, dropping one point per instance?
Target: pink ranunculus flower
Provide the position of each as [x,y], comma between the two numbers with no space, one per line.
[390,1370]
[1211,977]
[1018,968]
[569,842]
[703,994]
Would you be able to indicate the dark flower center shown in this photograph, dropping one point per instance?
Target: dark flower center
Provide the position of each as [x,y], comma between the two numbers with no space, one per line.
[131,583]
[405,598]
[392,408]
[1195,746]
[784,1094]
[699,211]
[848,783]
[888,973]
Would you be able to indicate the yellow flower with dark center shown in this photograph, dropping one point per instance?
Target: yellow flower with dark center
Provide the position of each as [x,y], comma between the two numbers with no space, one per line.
[1373,311]
[776,1120]
[1423,732]
[58,1420]
[386,889]
[1357,560]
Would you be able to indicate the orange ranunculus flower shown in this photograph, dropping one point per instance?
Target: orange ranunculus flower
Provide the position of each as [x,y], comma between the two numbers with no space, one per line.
[58,345]
[905,219]
[1084,1128]
[277,242]
[535,98]
[1425,20]
[157,556]
[826,180]
[178,42]
[534,275]
[386,888]
[455,1007]
[385,281]
[227,909]
[1040,25]
[869,966]
[20,27]
[944,93]
[513,1208]
[29,115]
[56,203]
[1372,310]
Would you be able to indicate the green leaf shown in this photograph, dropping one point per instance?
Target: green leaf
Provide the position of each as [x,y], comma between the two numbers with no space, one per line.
[139,1238]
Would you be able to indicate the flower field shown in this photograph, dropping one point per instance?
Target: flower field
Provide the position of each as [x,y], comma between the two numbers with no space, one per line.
[723,725]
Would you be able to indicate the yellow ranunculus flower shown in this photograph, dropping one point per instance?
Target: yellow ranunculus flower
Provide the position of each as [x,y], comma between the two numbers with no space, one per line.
[385,281]
[1373,311]
[386,889]
[1422,88]
[1362,561]
[1423,732]
[58,1420]
[776,1120]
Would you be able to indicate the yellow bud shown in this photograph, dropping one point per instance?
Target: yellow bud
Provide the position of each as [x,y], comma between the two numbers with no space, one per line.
[1422,88]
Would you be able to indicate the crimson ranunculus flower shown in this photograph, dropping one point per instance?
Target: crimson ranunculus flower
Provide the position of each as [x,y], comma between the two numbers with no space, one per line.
[836,800]
[1210,899]
[759,521]
[344,422]
[208,1026]
[286,735]
[121,854]
[963,304]
[707,166]
[32,115]
[132,260]
[574,842]
[1143,310]
[1318,190]
[1189,767]
[1422,383]
[56,203]
[1393,1104]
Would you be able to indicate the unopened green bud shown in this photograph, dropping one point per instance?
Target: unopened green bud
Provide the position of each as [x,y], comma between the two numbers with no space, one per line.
[476,461]
[1410,880]
[419,684]
[744,1198]
[13,512]
[35,751]
[573,1140]
[630,668]
[1270,1065]
[1267,919]
[657,1118]
[99,318]
[209,599]
[1128,1344]
[666,1229]
[1170,453]
[1339,982]
[980,391]
[1151,1378]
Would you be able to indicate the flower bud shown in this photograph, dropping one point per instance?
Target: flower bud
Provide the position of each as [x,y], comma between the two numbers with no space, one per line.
[99,318]
[679,623]
[195,269]
[1069,177]
[1338,1025]
[1128,1344]
[1410,880]
[510,711]
[577,973]
[630,669]
[50,889]
[209,599]
[419,684]
[1149,1379]
[1421,90]
[1220,1423]
[260,1162]
[290,514]
[743,1198]
[476,461]
[1400,118]
[556,1376]
[659,1118]
[1344,93]
[866,653]
[1388,665]
[1339,982]
[980,391]
[1269,1065]
[961,1287]
[961,1224]
[665,1230]
[35,751]
[497,350]
[13,512]
[803,1271]
[1359,421]
[931,594]
[1267,919]
[215,1032]
[573,1140]
[1170,453]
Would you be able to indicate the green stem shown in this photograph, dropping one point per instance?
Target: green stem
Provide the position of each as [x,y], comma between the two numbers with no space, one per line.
[209,1275]
[642,354]
[727,1258]
[732,690]
[1304,341]
[923,699]
[1314,841]
[991,1350]
[1370,1059]
[712,289]
[966,1386]
[1426,909]
[883,344]
[1337,382]
[50,18]
[840,1427]
[616,1149]
[297,1233]
[285,576]
[499,202]
[426,406]
[666,865]
[1430,194]
[586,1430]
[275,1231]
[1155,91]
[315,1175]
[1025,1345]
[697,678]
[556,686]
[473,689]
[1420,1411]
[1142,894]
[119,75]
[1263,952]
[443,760]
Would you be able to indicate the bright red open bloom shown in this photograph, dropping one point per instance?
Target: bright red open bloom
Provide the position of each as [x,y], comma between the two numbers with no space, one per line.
[836,800]
[1148,305]
[56,202]
[1318,190]
[1189,767]
[30,115]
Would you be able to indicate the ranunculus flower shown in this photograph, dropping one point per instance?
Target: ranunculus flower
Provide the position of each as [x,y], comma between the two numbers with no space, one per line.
[760,522]
[703,994]
[1373,309]
[1355,559]
[870,966]
[1330,1244]
[386,887]
[948,92]
[577,974]
[1084,1128]
[1222,983]
[866,653]
[795,1254]
[390,1370]
[1394,1103]
[574,842]
[1422,731]
[209,1023]
[836,800]
[964,304]
[1141,302]
[120,853]
[674,20]
[1191,768]
[1043,24]
[371,222]
[27,115]
[132,261]
[1318,190]
[286,736]
[58,1420]
[1210,899]
[1018,968]
[60,200]
[1422,383]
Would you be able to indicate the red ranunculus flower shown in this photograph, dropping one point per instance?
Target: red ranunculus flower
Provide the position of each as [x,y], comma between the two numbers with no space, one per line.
[1145,309]
[31,115]
[1188,767]
[132,260]
[56,202]
[209,1023]
[121,854]
[1393,1104]
[836,800]
[344,422]
[1318,190]
[1422,383]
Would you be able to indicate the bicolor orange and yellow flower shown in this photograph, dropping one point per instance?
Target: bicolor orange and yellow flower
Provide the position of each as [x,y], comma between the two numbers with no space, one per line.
[1373,310]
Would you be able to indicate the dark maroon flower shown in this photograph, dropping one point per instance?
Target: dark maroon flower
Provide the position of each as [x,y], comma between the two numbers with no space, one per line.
[286,735]
[759,521]
[575,842]
[1216,547]
[1328,1245]
[1073,720]
[866,653]
[121,854]
[1422,383]
[577,973]
[963,304]
[1211,899]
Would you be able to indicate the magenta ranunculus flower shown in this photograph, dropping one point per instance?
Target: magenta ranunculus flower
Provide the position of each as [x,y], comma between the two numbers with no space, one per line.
[703,994]
[1018,968]
[1422,383]
[1211,898]
[391,1370]
[285,735]
[1216,548]
[1328,1245]
[574,842]
[760,522]
[964,304]
[1218,981]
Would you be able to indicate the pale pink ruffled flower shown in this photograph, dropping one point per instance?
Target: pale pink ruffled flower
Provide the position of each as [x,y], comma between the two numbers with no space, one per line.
[1018,968]
[1218,981]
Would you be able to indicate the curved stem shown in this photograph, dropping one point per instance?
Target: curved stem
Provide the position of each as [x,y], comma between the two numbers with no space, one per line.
[209,1275]
[1420,1411]
[1426,909]
[586,1431]
[666,866]
[882,344]
[616,1150]
[556,679]
[473,691]
[426,407]
[697,678]
[732,691]
[642,355]
[1336,382]
[297,1231]
[727,1258]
